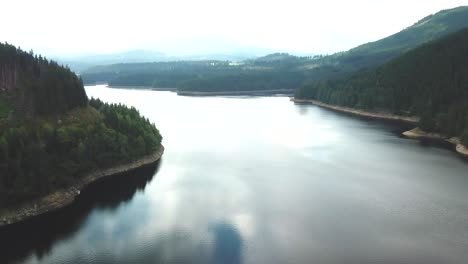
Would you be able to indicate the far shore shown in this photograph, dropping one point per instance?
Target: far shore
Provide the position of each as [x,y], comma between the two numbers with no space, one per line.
[376,115]
[142,87]
[62,198]
[287,92]
[236,93]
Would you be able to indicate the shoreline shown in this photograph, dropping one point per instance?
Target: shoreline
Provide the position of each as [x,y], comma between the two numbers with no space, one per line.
[236,93]
[198,93]
[142,88]
[64,197]
[377,115]
[417,133]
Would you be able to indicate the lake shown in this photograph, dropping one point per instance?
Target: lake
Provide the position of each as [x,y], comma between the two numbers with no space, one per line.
[261,180]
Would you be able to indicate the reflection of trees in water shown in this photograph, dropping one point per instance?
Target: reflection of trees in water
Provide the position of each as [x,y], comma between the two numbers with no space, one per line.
[37,235]
[302,109]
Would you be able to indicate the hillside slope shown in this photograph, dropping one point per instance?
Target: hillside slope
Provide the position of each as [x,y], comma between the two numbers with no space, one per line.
[429,28]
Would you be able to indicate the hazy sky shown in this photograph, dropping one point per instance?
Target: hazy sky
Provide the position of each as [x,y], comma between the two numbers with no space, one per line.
[201,26]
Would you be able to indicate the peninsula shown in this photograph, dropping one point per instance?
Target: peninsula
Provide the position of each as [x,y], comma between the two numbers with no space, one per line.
[54,141]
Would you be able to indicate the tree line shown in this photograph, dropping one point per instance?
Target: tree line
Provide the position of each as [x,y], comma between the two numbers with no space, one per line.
[38,85]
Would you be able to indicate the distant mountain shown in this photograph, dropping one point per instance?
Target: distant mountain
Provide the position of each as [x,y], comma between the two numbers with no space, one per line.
[227,56]
[80,64]
[275,57]
[430,81]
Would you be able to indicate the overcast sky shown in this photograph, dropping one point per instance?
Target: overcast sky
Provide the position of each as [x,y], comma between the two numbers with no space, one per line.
[202,26]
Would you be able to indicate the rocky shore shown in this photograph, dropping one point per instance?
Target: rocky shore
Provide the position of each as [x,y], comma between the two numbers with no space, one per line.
[64,197]
[417,133]
[462,149]
[376,115]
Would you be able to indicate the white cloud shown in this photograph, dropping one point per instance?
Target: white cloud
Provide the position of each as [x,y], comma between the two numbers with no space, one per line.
[302,26]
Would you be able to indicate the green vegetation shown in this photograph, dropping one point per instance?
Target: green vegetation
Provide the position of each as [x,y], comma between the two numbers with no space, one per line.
[430,81]
[245,82]
[56,134]
[5,105]
[37,157]
[39,86]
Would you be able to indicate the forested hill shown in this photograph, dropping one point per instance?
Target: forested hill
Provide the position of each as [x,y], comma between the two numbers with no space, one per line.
[430,81]
[31,84]
[51,135]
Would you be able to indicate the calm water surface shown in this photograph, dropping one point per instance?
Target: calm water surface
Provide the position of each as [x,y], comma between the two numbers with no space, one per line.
[261,180]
